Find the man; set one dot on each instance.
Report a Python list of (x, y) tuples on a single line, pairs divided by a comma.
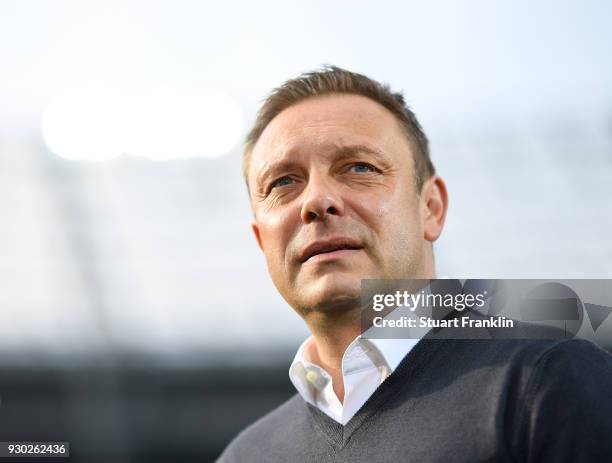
[(343, 189)]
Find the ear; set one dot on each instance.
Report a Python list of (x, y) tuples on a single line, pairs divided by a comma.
[(255, 229), (434, 203)]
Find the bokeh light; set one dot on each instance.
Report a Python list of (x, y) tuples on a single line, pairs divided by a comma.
[(101, 121)]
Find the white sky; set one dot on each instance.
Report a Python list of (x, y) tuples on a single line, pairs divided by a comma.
[(454, 60), (516, 97)]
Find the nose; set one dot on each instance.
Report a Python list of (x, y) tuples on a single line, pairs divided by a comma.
[(321, 199)]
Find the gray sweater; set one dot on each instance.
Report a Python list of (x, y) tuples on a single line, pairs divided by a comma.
[(457, 401)]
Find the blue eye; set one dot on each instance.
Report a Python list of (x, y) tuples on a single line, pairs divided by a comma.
[(281, 182), (361, 168)]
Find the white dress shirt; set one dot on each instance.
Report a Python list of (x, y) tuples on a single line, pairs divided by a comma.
[(366, 363)]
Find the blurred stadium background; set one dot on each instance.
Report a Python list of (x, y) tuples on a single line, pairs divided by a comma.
[(138, 321)]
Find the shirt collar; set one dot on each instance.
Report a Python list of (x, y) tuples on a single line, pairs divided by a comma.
[(300, 369), (389, 353), (393, 350), (309, 378)]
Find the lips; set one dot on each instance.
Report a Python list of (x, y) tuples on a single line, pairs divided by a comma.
[(334, 244)]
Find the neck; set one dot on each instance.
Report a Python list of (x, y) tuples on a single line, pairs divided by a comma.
[(333, 331), (332, 335)]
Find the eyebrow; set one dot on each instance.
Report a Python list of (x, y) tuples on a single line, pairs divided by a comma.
[(339, 153)]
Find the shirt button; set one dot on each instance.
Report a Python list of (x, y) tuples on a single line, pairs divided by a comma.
[(312, 376)]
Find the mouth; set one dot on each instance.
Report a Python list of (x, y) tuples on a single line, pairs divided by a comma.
[(329, 249)]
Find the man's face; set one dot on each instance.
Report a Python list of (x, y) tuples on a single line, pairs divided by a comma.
[(334, 198)]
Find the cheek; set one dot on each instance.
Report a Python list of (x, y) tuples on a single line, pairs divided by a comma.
[(392, 216), (275, 231), (386, 207)]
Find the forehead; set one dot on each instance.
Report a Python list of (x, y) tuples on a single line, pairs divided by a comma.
[(316, 124)]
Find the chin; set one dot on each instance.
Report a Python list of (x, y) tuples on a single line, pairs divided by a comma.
[(333, 293)]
